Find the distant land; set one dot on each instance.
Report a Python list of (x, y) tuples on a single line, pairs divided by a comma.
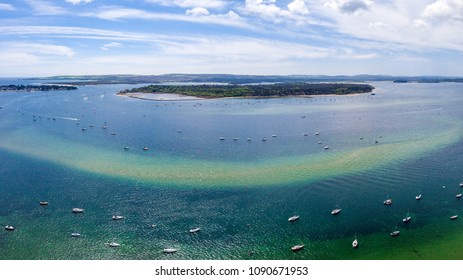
[(36, 87), (237, 79), (251, 90)]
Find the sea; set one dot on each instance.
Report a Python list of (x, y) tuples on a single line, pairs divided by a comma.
[(235, 168)]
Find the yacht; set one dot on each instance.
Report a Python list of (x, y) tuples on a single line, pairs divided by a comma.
[(195, 230), (388, 201), (297, 248), (77, 210), (355, 243), (9, 227), (117, 217), (454, 217), (169, 251), (395, 233), (336, 211), (114, 244), (458, 195), (418, 197), (293, 218)]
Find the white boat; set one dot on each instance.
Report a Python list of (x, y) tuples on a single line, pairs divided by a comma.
[(145, 149), (293, 218), (117, 217), (336, 211), (169, 250), (355, 243), (454, 217), (317, 133), (114, 244), (9, 227), (461, 184), (407, 219), (458, 195), (235, 139), (222, 138), (264, 139), (126, 147), (195, 230), (75, 234), (83, 129), (43, 203), (77, 210), (249, 139), (305, 134), (326, 147), (274, 135), (388, 201), (297, 248), (395, 233), (418, 197)]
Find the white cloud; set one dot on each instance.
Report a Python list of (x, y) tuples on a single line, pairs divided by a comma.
[(213, 4), (76, 2), (298, 7), (45, 7), (445, 9), (111, 45), (197, 12), (7, 7), (350, 6)]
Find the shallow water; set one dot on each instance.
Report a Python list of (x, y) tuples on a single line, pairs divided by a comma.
[(239, 192)]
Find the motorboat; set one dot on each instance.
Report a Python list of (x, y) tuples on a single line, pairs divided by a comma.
[(274, 135), (169, 251), (458, 195), (9, 227), (195, 230), (395, 233), (326, 147), (317, 133), (336, 211), (305, 134), (126, 147), (418, 197), (388, 201), (43, 203), (407, 219), (355, 243), (117, 217), (75, 234), (461, 184), (114, 244), (77, 210), (293, 218), (222, 138), (235, 139), (297, 248), (454, 217), (249, 139), (145, 149)]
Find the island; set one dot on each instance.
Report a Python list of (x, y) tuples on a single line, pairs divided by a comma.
[(29, 88), (251, 90)]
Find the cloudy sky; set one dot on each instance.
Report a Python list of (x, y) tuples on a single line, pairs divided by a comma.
[(330, 37)]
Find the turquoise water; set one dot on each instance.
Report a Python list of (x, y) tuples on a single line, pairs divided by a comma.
[(240, 193)]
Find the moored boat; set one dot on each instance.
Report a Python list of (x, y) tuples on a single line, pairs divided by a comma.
[(297, 248), (77, 210), (387, 201), (75, 234), (118, 217), (407, 219), (195, 230), (9, 227), (355, 243), (458, 195), (454, 217), (418, 197), (293, 218), (395, 233), (114, 244), (336, 211), (169, 251), (43, 203)]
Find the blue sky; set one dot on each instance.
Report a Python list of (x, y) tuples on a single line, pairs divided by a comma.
[(327, 37)]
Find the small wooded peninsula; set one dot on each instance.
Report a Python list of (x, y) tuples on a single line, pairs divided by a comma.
[(254, 90), (28, 88)]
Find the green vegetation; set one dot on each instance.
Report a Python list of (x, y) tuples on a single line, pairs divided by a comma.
[(261, 90), (36, 87)]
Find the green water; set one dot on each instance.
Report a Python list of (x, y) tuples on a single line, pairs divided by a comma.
[(404, 141)]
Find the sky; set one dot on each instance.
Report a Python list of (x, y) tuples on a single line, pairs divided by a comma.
[(257, 37)]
